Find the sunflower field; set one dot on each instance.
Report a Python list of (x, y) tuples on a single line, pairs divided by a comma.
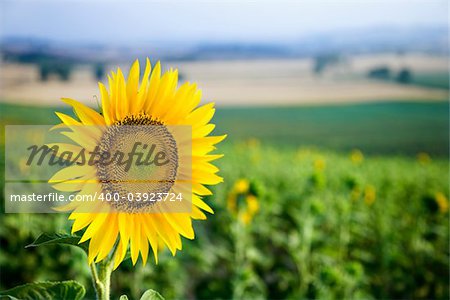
[(291, 221)]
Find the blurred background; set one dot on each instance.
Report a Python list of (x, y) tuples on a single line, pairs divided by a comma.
[(336, 162)]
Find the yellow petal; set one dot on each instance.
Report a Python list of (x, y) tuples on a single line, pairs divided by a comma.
[(122, 109), (202, 150), (201, 190), (208, 141), (94, 227), (68, 120), (201, 204), (166, 91), (178, 109), (120, 253), (81, 220), (69, 186), (87, 115), (181, 223), (66, 207), (201, 115), (63, 147), (58, 126), (155, 78), (135, 241), (150, 232), (72, 172), (205, 166), (190, 102), (106, 105), (83, 140), (113, 96), (125, 226), (202, 131), (142, 94), (206, 158), (164, 231), (197, 214), (206, 178), (132, 85), (110, 233), (144, 244)]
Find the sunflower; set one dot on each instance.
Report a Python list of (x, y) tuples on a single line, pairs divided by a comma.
[(152, 112), (242, 201)]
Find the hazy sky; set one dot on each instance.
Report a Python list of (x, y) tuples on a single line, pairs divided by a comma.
[(265, 20)]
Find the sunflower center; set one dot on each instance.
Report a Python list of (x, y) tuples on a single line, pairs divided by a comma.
[(138, 158)]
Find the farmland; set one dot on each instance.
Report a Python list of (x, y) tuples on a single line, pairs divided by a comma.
[(287, 82), (385, 127), (333, 222)]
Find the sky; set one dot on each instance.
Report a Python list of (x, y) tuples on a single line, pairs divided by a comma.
[(198, 21)]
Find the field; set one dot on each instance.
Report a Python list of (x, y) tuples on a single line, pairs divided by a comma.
[(254, 82), (378, 128), (333, 222), (386, 127), (435, 80)]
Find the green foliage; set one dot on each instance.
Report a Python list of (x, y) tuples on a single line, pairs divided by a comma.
[(310, 240), (54, 262), (433, 80), (328, 226), (438, 80), (58, 238), (152, 295), (404, 76), (46, 290), (60, 68), (148, 295), (381, 72), (376, 128), (307, 240)]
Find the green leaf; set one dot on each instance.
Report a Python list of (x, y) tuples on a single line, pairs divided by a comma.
[(152, 295), (46, 290), (58, 238), (123, 297), (8, 297)]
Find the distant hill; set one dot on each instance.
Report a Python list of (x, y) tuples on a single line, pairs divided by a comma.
[(428, 39), (382, 39)]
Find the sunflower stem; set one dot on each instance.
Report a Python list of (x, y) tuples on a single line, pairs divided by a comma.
[(98, 284), (104, 275), (101, 276)]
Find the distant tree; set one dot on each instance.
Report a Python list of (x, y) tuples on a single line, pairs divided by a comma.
[(44, 71), (181, 77), (381, 72), (404, 76), (59, 68), (321, 62), (99, 71), (64, 71)]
